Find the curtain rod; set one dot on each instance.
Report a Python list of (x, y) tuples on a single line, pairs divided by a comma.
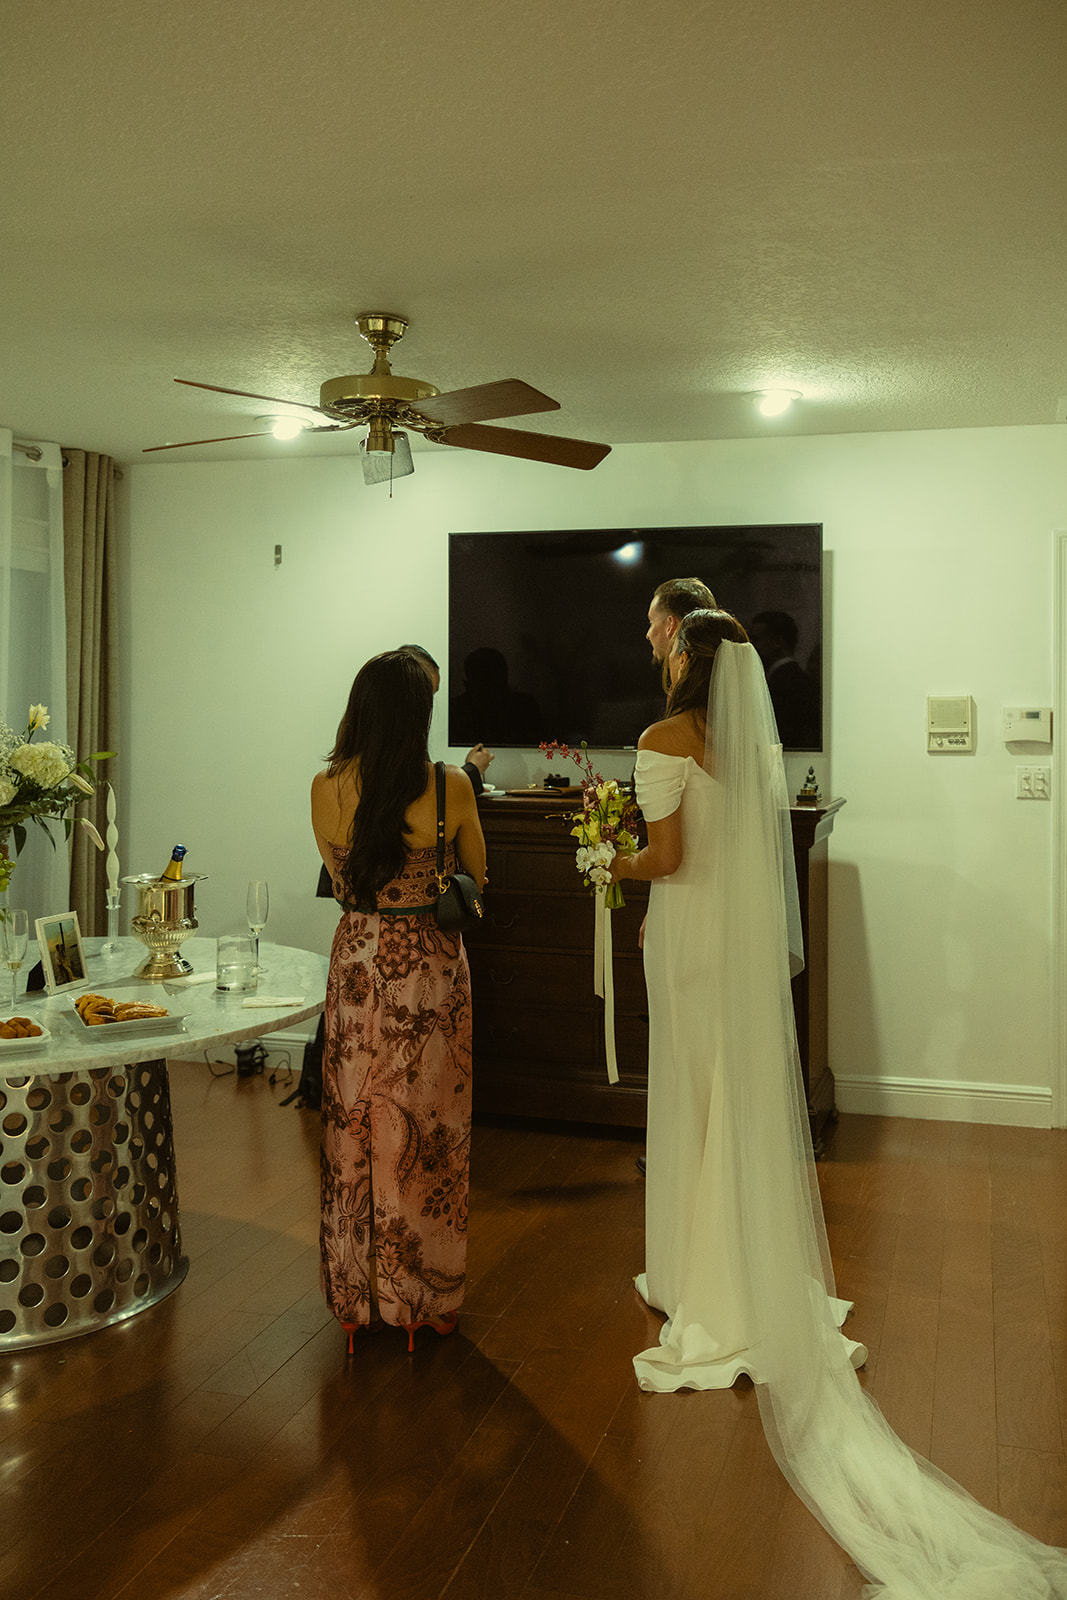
[(35, 453)]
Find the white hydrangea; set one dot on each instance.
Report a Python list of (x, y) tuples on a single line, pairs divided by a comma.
[(44, 764), (8, 789)]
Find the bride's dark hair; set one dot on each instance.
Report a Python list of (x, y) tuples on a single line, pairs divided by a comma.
[(384, 731), (700, 634)]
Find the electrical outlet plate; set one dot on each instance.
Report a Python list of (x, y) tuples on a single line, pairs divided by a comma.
[(1033, 783)]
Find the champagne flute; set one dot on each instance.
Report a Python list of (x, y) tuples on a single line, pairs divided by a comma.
[(14, 937), (257, 906)]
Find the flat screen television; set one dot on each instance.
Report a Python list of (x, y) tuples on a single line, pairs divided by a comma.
[(546, 630)]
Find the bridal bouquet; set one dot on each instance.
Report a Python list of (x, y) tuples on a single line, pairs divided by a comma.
[(38, 782), (602, 827)]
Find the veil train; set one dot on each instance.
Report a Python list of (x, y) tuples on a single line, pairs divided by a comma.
[(911, 1530)]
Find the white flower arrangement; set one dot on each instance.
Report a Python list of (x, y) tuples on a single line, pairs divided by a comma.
[(39, 783), (44, 765)]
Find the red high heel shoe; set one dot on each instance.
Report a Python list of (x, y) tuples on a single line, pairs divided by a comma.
[(442, 1325), (352, 1328)]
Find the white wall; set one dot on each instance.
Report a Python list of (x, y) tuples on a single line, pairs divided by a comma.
[(939, 561)]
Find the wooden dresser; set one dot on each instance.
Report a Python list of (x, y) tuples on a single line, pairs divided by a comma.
[(538, 1027)]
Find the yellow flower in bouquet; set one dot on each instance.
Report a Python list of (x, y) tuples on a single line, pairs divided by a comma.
[(603, 827)]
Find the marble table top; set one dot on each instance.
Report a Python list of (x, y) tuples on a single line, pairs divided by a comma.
[(212, 1018)]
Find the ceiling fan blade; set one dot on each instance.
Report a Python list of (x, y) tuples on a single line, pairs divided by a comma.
[(559, 452), (216, 388), (509, 397), (226, 437)]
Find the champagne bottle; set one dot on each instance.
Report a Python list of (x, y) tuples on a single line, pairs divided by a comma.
[(173, 870)]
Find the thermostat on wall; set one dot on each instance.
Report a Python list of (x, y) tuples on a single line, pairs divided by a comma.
[(949, 723), (1034, 722)]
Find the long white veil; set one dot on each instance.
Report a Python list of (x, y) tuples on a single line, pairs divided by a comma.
[(911, 1530)]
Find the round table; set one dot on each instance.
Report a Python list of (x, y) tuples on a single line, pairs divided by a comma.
[(89, 1225)]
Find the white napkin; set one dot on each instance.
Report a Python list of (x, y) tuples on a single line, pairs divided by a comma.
[(273, 1000), (191, 977)]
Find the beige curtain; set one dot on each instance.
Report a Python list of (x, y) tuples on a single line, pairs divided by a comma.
[(90, 565)]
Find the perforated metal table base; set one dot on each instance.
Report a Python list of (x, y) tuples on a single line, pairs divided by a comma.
[(89, 1229)]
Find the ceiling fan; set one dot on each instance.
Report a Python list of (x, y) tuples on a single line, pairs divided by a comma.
[(386, 405)]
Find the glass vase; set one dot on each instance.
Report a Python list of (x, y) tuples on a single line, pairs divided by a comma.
[(110, 947)]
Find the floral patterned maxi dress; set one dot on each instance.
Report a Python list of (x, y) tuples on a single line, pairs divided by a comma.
[(396, 1107)]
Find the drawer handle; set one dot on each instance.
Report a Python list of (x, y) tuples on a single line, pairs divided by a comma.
[(503, 982), (496, 922)]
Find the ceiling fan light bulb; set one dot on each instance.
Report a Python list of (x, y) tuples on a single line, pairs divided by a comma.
[(774, 402), (379, 439), (382, 466), (283, 427)]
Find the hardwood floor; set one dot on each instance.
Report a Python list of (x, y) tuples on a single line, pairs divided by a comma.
[(222, 1447)]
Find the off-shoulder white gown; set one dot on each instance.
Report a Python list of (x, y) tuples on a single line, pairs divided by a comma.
[(699, 1111)]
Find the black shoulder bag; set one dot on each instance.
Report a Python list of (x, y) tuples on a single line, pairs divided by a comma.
[(459, 903)]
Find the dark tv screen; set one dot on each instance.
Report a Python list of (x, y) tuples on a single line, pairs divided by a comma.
[(555, 622)]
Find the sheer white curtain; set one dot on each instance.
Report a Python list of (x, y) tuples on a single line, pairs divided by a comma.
[(33, 637)]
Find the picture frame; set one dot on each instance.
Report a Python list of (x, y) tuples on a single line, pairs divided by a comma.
[(59, 939)]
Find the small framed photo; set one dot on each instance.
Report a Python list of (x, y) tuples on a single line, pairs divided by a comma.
[(62, 953)]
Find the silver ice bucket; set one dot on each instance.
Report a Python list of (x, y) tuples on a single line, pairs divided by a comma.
[(165, 919)]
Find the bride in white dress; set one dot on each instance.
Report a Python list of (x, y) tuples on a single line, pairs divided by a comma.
[(736, 1252)]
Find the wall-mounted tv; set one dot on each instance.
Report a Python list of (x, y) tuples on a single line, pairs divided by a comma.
[(546, 630)]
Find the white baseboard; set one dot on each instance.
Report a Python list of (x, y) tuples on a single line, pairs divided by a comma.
[(285, 1042), (294, 1039), (1007, 1105)]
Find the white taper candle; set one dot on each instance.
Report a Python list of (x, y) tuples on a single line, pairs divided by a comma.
[(112, 843)]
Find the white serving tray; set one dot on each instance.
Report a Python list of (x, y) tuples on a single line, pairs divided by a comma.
[(10, 1046), (123, 993)]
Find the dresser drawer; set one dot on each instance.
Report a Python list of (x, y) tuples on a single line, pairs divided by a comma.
[(528, 1033), (513, 977), (540, 921), (541, 870)]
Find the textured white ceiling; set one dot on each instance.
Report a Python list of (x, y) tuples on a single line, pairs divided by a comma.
[(646, 209)]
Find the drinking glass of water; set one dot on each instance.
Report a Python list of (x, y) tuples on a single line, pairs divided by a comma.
[(235, 967)]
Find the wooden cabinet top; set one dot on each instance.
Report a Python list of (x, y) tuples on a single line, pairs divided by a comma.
[(533, 809)]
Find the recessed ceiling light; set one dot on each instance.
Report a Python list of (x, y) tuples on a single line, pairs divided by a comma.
[(283, 427), (773, 402)]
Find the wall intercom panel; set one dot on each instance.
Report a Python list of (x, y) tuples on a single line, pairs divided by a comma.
[(950, 721)]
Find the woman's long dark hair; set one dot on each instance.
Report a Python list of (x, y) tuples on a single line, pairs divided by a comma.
[(700, 634), (384, 729)]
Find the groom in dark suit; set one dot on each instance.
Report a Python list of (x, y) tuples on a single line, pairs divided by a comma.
[(674, 599)]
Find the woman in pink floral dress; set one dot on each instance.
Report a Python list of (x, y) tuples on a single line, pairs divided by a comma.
[(396, 1101)]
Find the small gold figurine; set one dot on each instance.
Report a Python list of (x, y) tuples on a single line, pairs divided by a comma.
[(809, 794)]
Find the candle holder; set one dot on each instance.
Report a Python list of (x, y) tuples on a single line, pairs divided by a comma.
[(110, 947)]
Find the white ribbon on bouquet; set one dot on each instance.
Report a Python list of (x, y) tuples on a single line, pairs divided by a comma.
[(603, 977)]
